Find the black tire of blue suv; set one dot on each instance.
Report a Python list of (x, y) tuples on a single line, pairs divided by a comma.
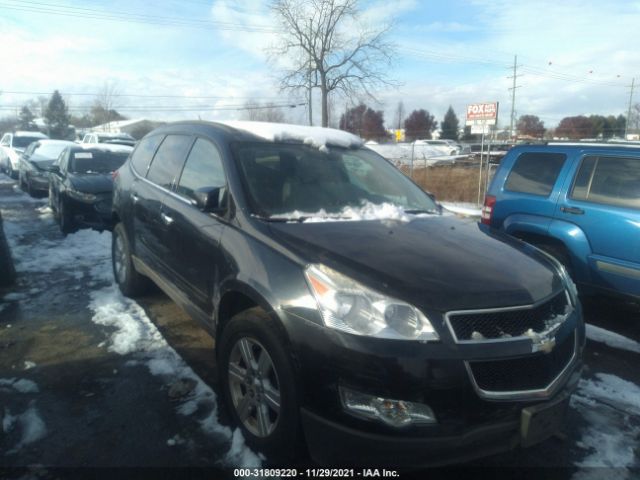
[(255, 329)]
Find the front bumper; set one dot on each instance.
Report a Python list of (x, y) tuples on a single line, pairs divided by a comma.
[(468, 424), (334, 444), (96, 214)]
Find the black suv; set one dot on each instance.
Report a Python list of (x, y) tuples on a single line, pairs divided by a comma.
[(346, 309)]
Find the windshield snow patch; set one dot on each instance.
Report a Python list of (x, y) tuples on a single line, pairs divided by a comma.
[(367, 211), (317, 137)]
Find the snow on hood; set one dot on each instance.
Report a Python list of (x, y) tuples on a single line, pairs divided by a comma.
[(367, 211), (315, 136)]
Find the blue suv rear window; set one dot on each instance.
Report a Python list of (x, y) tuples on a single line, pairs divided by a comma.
[(608, 180), (535, 173)]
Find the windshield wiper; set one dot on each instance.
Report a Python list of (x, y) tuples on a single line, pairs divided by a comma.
[(419, 211)]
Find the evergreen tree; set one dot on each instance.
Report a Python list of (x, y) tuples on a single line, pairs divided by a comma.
[(26, 119), (57, 117), (450, 125)]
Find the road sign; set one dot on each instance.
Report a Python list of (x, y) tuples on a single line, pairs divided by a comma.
[(482, 113)]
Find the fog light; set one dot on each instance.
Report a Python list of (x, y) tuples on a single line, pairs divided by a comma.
[(397, 413)]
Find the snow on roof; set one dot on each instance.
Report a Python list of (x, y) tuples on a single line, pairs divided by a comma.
[(110, 147), (315, 136), (111, 126), (29, 134)]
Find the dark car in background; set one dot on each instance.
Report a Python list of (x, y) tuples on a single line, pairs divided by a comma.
[(81, 185), (346, 309), (35, 164)]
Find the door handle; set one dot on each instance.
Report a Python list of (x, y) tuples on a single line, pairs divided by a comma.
[(135, 197), (166, 219), (572, 210)]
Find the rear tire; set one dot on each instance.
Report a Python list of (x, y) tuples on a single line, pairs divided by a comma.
[(268, 386), (131, 283)]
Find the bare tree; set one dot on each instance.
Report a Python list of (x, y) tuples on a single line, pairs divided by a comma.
[(269, 112), (329, 48), (104, 104)]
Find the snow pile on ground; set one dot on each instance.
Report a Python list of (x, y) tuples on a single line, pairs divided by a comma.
[(315, 136), (467, 209), (611, 339), (21, 385), (85, 256), (26, 427), (134, 333), (367, 211), (609, 405)]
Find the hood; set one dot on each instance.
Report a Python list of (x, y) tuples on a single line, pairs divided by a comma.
[(436, 263), (42, 163), (92, 182)]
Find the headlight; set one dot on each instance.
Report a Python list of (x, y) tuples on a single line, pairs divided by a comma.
[(351, 307), (82, 196)]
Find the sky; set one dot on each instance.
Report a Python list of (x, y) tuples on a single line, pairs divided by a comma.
[(187, 59)]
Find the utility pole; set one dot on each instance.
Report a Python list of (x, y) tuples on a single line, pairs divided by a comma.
[(310, 99), (628, 122), (513, 95)]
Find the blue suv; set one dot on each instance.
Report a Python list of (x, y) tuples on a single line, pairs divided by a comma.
[(580, 203)]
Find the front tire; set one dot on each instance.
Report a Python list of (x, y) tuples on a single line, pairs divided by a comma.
[(259, 386), (65, 217), (131, 283)]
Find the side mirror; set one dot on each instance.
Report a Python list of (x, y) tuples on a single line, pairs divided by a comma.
[(54, 169), (211, 199)]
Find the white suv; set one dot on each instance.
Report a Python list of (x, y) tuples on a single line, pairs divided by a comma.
[(11, 147)]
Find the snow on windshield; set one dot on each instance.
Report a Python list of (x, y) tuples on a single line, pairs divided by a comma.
[(367, 211), (315, 136)]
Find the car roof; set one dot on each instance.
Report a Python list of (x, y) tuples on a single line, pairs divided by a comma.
[(48, 141), (572, 147), (105, 147), (23, 133), (237, 131)]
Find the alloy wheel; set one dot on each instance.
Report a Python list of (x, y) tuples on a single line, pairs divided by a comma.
[(254, 387), (120, 260)]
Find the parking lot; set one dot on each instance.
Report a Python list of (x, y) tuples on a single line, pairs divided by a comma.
[(89, 378)]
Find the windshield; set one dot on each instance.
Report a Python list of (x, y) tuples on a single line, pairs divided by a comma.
[(23, 142), (47, 152), (283, 179), (96, 161)]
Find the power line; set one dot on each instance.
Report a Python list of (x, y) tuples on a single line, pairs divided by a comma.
[(129, 17), (138, 95)]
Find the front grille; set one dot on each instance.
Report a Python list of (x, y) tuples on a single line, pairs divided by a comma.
[(533, 372), (507, 323)]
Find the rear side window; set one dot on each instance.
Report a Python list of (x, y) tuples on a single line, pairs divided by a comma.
[(535, 173), (203, 168), (608, 180), (143, 154), (168, 160)]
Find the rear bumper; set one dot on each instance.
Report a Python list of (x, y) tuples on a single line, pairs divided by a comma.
[(335, 444)]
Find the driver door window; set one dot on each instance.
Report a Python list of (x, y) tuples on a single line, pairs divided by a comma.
[(203, 168)]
